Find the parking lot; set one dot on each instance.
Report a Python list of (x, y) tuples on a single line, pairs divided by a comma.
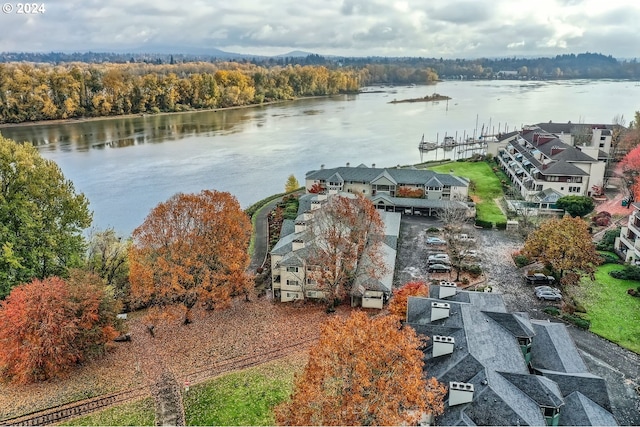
[(620, 367)]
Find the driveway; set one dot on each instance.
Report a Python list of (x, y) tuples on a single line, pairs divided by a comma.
[(619, 367)]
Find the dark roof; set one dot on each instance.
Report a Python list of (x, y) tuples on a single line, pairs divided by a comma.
[(399, 175), (487, 354), (288, 227), (562, 168), (569, 127), (516, 323), (553, 349), (579, 410)]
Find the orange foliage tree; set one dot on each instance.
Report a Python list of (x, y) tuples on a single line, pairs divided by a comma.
[(564, 244), (414, 193), (46, 326), (191, 248), (363, 371), (398, 302), (349, 233)]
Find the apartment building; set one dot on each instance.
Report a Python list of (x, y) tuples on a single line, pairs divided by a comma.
[(628, 244), (384, 186), (292, 275), (544, 166)]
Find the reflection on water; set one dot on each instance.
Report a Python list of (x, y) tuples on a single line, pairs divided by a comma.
[(126, 166)]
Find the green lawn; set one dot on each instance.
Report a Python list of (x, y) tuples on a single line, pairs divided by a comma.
[(140, 413), (613, 313), (487, 187), (245, 397)]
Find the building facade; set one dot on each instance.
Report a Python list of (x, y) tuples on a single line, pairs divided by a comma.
[(543, 167), (388, 188), (628, 244)]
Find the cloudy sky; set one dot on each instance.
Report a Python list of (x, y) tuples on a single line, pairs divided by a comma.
[(429, 28)]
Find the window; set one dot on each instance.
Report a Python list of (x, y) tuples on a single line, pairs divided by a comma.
[(293, 283), (311, 282), (292, 269), (292, 295), (364, 191), (574, 189)]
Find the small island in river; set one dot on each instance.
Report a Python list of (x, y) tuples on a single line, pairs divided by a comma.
[(428, 98)]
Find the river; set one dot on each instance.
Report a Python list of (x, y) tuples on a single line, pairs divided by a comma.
[(125, 166)]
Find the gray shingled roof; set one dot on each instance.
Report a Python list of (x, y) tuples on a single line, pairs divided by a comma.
[(288, 227), (592, 386), (542, 390), (554, 350), (516, 323), (417, 203), (579, 410), (562, 167), (401, 176)]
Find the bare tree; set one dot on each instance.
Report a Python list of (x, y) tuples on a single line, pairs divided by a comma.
[(455, 216)]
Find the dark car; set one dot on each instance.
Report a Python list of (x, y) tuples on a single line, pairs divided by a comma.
[(439, 268)]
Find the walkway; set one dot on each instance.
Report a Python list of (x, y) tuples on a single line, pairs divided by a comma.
[(261, 244)]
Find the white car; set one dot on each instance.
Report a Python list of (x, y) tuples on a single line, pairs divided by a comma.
[(471, 253), (435, 241), (438, 257)]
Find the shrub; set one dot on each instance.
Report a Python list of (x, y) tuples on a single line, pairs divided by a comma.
[(502, 225), (554, 311), (630, 272), (607, 241), (473, 270), (433, 230), (521, 260), (609, 258), (578, 321)]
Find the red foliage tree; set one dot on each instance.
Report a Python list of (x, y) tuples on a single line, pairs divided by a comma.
[(316, 188), (363, 371), (630, 167), (191, 248), (47, 326), (398, 303), (409, 192)]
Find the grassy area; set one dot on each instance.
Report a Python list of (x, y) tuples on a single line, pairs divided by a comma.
[(245, 397), (487, 187), (140, 413), (613, 313)]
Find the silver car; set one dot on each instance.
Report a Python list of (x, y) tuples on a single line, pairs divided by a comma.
[(549, 296)]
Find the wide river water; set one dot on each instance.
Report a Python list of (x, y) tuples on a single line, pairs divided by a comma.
[(125, 166)]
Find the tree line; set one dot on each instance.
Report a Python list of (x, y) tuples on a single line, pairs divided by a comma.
[(30, 92)]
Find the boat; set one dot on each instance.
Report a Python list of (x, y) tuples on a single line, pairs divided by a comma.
[(448, 142), (426, 145)]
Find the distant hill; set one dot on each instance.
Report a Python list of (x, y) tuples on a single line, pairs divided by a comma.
[(295, 54)]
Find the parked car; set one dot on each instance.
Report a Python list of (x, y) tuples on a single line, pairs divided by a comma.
[(436, 257), (539, 279), (547, 289), (549, 296), (439, 268), (465, 238), (438, 261), (471, 253), (435, 241)]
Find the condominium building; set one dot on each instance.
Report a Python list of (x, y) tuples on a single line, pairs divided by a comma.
[(545, 166), (628, 244), (388, 188)]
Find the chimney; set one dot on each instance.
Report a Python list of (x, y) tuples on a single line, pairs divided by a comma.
[(315, 204), (297, 244), (460, 393), (373, 165), (300, 226), (321, 197), (443, 345), (439, 310), (447, 289), (348, 164), (322, 166)]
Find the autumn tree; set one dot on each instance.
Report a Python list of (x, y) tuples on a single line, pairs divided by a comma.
[(108, 257), (565, 245), (575, 205), (455, 217), (363, 371), (291, 184), (630, 168), (41, 217), (398, 302), (348, 237), (191, 248), (47, 326)]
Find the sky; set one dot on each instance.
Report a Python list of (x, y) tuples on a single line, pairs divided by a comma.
[(426, 28)]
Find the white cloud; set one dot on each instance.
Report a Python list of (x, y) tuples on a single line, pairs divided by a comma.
[(450, 28)]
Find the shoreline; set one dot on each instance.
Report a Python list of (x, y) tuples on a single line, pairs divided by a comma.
[(134, 115)]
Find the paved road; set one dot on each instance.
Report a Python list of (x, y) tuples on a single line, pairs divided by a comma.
[(261, 244), (619, 367)]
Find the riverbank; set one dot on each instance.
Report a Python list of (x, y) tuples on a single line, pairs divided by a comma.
[(162, 113)]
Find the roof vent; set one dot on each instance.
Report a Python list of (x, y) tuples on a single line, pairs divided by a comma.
[(447, 289), (322, 166), (348, 164), (300, 226), (443, 345), (439, 310), (297, 244), (373, 165), (460, 393)]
